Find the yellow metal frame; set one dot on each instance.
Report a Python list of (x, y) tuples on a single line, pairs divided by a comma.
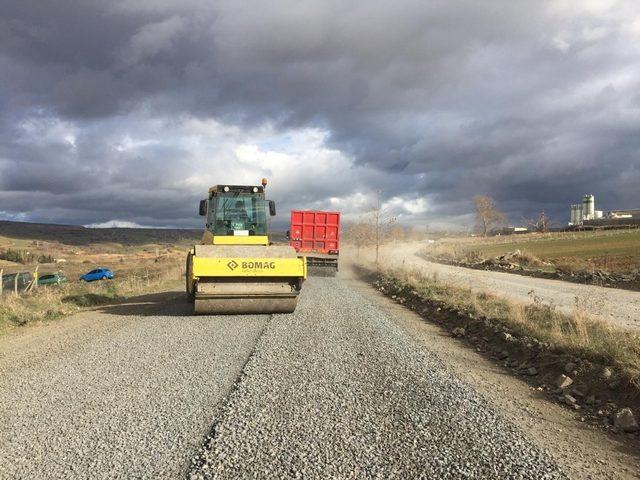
[(249, 267), (209, 238), (238, 240)]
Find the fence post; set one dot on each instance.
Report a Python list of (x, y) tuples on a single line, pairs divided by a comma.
[(35, 278), (15, 284), (1, 284)]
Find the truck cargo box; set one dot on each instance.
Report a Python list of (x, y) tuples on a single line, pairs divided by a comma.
[(316, 234), (313, 231)]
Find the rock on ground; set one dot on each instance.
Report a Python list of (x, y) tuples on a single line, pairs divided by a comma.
[(625, 420), (563, 381)]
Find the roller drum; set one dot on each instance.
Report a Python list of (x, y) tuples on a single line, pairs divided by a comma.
[(240, 305)]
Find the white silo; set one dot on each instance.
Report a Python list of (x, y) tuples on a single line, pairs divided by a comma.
[(571, 216), (588, 207), (576, 214)]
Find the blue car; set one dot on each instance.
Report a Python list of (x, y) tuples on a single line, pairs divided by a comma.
[(97, 274)]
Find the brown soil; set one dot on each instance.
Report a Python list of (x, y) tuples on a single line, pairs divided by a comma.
[(520, 353)]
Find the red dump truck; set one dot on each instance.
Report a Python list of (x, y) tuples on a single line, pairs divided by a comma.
[(316, 235)]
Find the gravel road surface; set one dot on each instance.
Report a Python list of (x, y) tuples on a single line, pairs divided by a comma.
[(339, 391), (612, 304), (335, 390), (134, 399)]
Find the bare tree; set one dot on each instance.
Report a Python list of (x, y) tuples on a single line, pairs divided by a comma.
[(487, 213), (374, 228), (541, 224)]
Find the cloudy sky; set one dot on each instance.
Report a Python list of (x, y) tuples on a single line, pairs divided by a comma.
[(128, 110)]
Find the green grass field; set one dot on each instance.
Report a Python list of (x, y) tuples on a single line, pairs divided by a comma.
[(579, 244), (616, 250)]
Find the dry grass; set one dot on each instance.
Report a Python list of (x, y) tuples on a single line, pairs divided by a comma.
[(454, 252), (577, 334), (143, 260), (528, 259), (53, 302), (450, 252)]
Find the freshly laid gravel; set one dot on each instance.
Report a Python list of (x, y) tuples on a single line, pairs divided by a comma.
[(336, 390), (134, 400)]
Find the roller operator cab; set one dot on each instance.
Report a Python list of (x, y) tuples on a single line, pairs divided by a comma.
[(236, 269), (236, 211)]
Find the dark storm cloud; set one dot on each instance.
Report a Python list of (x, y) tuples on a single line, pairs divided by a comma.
[(531, 103)]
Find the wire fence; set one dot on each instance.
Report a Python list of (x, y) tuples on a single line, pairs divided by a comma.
[(17, 283)]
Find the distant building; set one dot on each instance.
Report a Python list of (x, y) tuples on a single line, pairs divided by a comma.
[(585, 214), (584, 211), (508, 230), (624, 214)]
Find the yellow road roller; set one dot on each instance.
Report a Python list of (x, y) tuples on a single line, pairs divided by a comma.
[(236, 269)]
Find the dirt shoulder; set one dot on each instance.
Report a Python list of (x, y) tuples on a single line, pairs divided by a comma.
[(581, 449), (621, 307)]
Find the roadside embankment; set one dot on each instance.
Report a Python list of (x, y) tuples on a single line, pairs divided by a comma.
[(616, 306), (585, 363)]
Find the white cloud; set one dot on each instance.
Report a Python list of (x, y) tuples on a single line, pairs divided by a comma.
[(592, 7), (16, 217), (404, 206), (47, 130), (115, 224)]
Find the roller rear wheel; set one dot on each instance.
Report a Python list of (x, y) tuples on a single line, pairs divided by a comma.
[(189, 287)]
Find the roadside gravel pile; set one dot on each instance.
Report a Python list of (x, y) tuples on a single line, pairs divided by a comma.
[(133, 400), (336, 390)]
